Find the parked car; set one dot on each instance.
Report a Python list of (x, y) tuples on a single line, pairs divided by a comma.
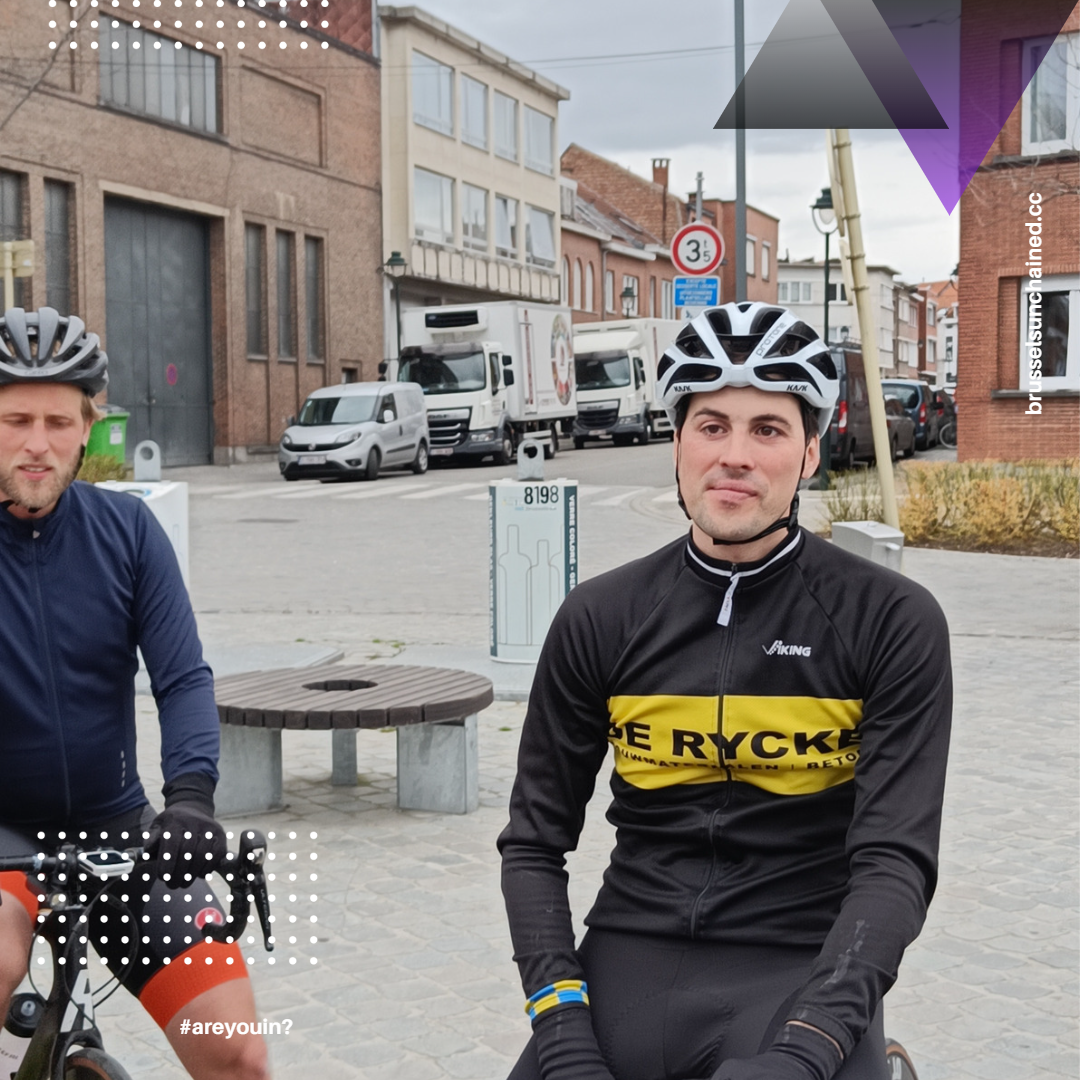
[(917, 399), (850, 435), (901, 428), (944, 406), (356, 429)]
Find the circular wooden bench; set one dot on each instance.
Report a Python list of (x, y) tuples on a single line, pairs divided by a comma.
[(433, 709)]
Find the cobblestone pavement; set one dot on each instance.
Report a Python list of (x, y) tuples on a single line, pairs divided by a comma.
[(414, 980)]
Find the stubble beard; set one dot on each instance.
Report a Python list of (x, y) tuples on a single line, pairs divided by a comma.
[(44, 493)]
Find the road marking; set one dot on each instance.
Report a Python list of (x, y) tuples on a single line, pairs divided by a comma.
[(255, 491), (590, 490), (448, 489), (668, 496), (618, 500), (383, 489), (218, 489), (320, 492), (478, 496)]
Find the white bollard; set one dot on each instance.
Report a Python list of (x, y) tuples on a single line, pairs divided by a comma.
[(168, 499)]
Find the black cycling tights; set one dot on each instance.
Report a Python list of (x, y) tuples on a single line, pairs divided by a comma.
[(674, 1009)]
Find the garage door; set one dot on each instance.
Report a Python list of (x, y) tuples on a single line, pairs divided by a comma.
[(157, 299)]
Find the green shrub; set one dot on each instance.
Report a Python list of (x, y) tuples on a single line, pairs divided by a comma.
[(98, 467)]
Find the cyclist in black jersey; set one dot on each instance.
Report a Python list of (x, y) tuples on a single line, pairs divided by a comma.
[(779, 715)]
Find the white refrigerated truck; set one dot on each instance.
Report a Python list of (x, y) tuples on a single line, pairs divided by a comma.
[(616, 379), (492, 375)]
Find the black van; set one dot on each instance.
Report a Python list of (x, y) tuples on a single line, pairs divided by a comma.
[(850, 435)]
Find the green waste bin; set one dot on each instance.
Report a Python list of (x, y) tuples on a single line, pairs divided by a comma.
[(109, 434)]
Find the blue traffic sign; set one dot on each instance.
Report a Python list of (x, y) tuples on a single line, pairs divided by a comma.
[(697, 292)]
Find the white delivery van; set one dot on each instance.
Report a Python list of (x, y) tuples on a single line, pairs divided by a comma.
[(491, 373), (616, 379)]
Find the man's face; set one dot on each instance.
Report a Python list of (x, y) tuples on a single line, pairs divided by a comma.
[(740, 455), (42, 431)]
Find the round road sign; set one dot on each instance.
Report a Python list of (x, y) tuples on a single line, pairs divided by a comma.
[(697, 248)]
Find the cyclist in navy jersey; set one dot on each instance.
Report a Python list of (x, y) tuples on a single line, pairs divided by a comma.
[(86, 577), (778, 713)]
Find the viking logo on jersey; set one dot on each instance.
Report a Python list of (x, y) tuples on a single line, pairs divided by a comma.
[(778, 648)]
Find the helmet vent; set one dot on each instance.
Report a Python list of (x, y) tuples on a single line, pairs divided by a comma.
[(720, 321), (697, 373), (738, 348), (691, 344)]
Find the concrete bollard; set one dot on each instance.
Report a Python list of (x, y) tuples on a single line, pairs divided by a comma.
[(881, 544)]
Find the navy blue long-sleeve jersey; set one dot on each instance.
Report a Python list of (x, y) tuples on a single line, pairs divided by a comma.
[(80, 590)]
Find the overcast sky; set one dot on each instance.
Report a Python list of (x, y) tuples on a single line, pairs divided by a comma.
[(631, 109)]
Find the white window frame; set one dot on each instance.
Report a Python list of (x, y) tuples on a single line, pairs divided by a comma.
[(444, 234), (577, 285), (444, 122), (469, 135), (766, 261), (502, 150), (590, 286), (545, 164), (630, 279), (530, 255), (751, 256), (1069, 283), (468, 204), (609, 290), (512, 218), (667, 299), (564, 282), (1071, 44)]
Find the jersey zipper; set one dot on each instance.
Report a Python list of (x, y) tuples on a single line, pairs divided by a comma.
[(50, 671), (726, 651)]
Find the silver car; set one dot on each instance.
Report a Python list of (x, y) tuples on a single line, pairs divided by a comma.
[(356, 429)]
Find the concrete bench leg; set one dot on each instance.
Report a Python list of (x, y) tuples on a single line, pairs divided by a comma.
[(343, 757), (250, 768), (437, 766)]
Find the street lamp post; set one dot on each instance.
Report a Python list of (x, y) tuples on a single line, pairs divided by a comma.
[(396, 266), (824, 218), (629, 300)]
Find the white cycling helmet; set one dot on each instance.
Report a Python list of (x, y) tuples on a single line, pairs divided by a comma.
[(750, 344)]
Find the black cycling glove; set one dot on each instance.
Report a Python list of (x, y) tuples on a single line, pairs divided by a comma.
[(185, 840), (566, 1046), (797, 1053)]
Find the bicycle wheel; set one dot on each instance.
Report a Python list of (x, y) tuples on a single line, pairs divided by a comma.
[(90, 1064), (898, 1061), (947, 436)]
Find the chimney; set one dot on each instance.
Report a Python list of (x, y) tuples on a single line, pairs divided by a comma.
[(660, 171)]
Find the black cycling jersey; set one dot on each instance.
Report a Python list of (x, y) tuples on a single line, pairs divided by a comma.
[(779, 730)]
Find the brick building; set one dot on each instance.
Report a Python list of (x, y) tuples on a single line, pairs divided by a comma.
[(654, 208), (941, 308), (211, 209), (1036, 153), (612, 267)]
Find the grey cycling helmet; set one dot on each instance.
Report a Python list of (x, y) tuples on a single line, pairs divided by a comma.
[(45, 346), (750, 344)]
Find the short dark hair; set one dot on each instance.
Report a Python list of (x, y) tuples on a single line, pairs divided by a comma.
[(806, 410)]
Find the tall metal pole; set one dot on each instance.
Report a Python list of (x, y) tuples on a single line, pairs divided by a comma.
[(740, 156), (825, 336), (826, 441), (697, 201), (867, 328)]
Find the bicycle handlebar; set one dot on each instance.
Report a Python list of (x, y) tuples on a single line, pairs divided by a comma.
[(243, 871)]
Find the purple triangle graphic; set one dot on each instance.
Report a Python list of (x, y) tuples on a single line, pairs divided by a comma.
[(969, 56)]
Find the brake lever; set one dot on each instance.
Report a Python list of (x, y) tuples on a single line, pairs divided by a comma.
[(247, 881)]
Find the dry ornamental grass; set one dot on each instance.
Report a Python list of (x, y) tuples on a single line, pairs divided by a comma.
[(1023, 508)]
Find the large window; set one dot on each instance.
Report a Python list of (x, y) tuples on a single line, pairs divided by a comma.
[(474, 121), (1051, 110), (751, 257), (474, 230), (609, 290), (540, 237), (628, 299), (255, 288), (539, 141), (506, 127), (433, 94), (589, 287), (506, 237), (13, 226), (147, 73), (286, 295), (1057, 320), (766, 252), (313, 299), (577, 284), (58, 291), (433, 201)]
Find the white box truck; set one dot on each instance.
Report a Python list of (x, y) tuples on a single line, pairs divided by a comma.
[(616, 379), (492, 374)]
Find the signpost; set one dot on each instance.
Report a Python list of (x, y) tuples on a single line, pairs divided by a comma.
[(697, 249)]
